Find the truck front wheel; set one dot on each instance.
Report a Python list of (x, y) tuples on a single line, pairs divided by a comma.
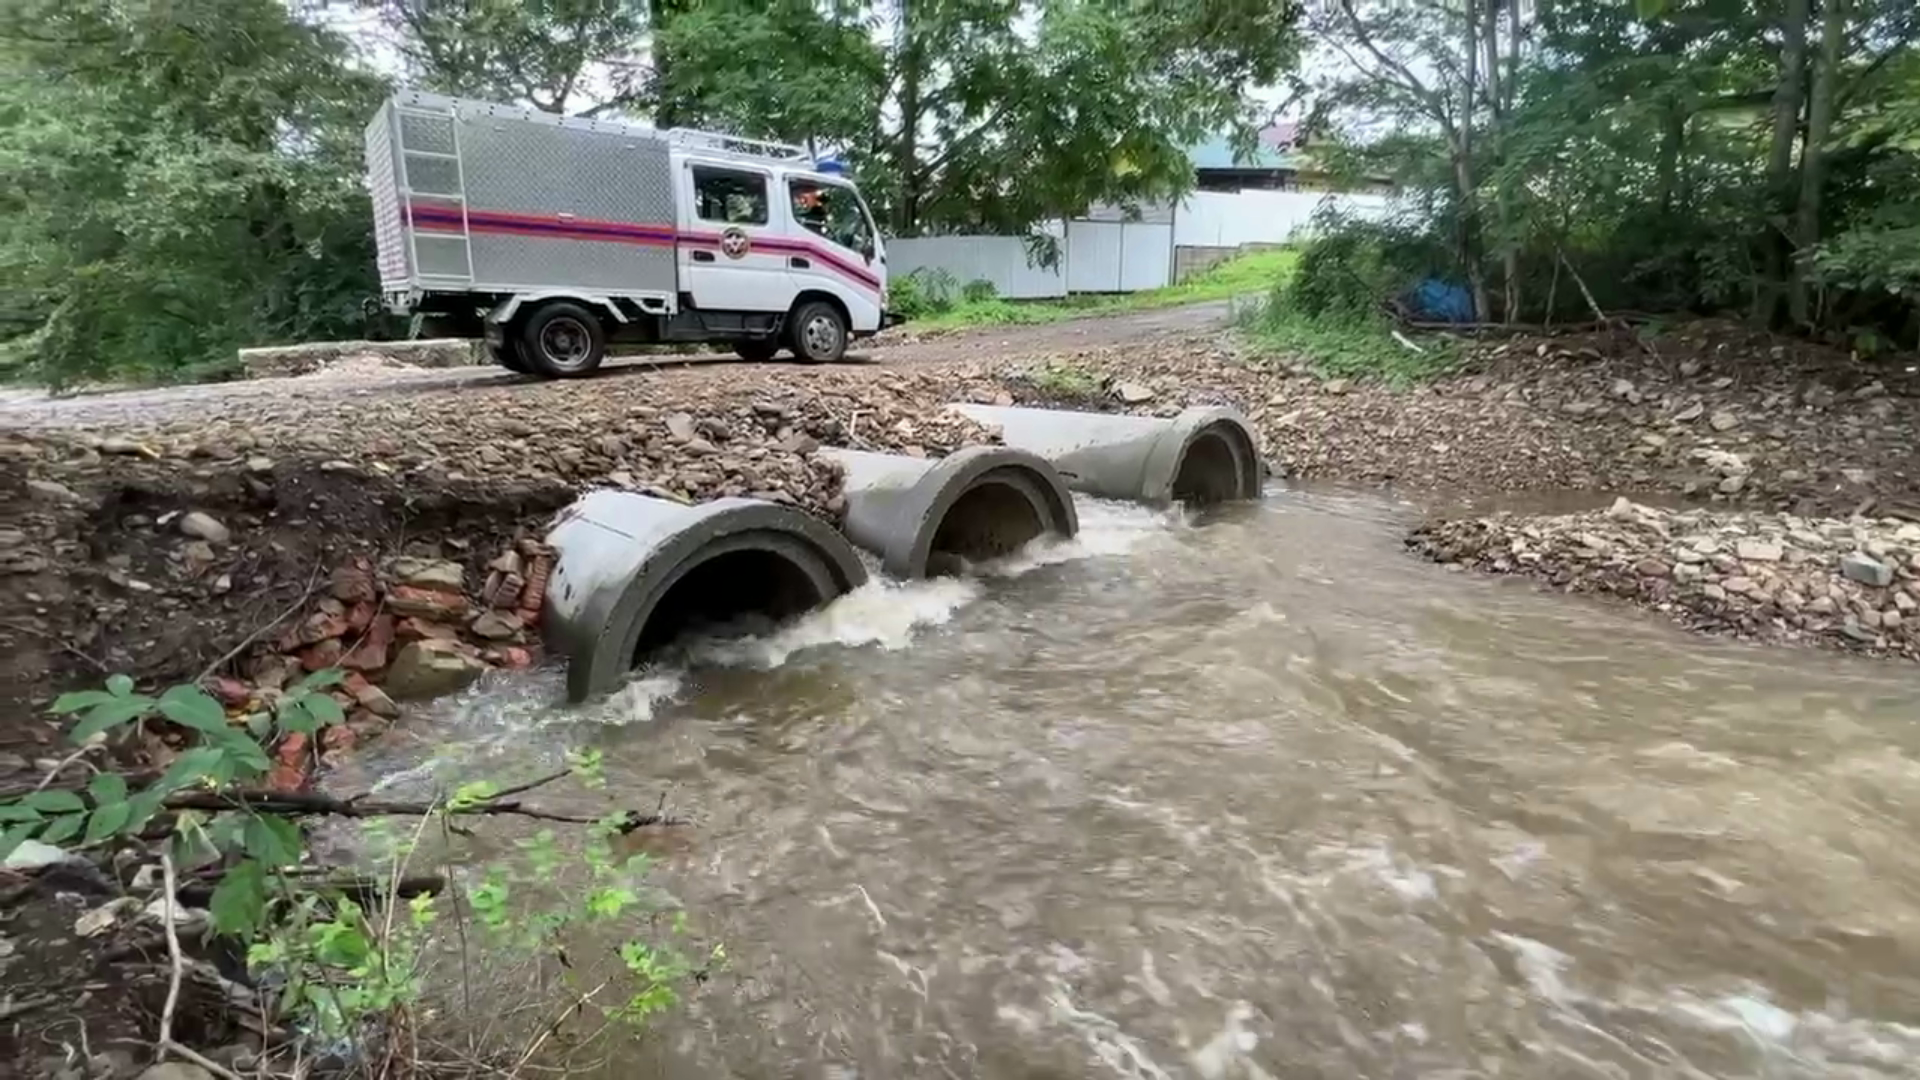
[(563, 340), (818, 333)]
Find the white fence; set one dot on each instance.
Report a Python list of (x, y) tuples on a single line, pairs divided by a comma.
[(999, 259), (1107, 253), (1233, 218)]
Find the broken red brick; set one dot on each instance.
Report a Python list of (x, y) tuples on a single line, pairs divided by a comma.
[(372, 652), (536, 591), (360, 616), (288, 778), (511, 656), (338, 737), (321, 654), (421, 629), (229, 692), (426, 603)]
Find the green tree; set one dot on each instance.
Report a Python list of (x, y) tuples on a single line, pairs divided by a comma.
[(788, 69), (561, 56), (182, 178), (983, 114), (1696, 154)]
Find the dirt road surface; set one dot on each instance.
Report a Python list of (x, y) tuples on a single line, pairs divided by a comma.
[(37, 409)]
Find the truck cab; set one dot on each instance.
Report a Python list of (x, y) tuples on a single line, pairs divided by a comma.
[(768, 237), (555, 237)]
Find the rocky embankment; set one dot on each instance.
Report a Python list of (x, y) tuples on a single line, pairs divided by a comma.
[(154, 547), (1771, 577), (96, 576), (1709, 411)]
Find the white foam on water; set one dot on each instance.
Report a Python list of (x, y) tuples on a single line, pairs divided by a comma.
[(1790, 1044), (1542, 966), (882, 612), (1106, 528), (889, 613), (1824, 1042), (1409, 882), (636, 702), (1111, 1046), (1229, 1052)]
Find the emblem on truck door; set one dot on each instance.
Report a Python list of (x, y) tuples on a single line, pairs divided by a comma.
[(735, 243)]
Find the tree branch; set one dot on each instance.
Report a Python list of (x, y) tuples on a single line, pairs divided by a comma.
[(303, 803), (953, 146)]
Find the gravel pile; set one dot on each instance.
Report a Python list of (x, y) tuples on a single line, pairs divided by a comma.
[(693, 434), (1850, 584)]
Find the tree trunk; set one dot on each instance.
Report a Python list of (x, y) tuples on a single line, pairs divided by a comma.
[(666, 107), (1463, 165), (1673, 138), (1813, 153), (1789, 94), (907, 55)]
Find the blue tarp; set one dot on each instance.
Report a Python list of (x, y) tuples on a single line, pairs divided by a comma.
[(1434, 300)]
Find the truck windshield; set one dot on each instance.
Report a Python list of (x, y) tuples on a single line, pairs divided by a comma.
[(833, 211)]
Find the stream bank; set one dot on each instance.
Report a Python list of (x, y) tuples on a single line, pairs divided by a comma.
[(155, 542)]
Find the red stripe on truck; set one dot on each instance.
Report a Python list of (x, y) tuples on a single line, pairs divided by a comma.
[(447, 217)]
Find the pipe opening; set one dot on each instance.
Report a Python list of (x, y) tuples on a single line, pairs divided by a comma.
[(731, 594), (1218, 466), (992, 519)]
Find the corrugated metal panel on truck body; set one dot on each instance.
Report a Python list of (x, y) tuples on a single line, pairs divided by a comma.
[(389, 231), (542, 202)]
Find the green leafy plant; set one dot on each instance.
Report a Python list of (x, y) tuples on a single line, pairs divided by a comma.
[(348, 956), (222, 753), (1064, 381), (923, 292), (978, 291)]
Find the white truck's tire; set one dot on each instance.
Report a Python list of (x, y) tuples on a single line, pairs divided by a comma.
[(507, 355), (563, 340), (818, 333)]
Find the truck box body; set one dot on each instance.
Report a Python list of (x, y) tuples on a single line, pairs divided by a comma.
[(495, 199)]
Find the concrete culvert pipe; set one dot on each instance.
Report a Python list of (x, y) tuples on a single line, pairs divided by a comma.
[(930, 517), (632, 573), (1200, 457)]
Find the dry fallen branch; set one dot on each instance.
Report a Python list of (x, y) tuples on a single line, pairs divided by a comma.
[(164, 1044), (365, 891), (304, 803)]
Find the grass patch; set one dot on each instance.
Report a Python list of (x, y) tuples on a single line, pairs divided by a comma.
[(1252, 272), (1352, 348), (1064, 382)]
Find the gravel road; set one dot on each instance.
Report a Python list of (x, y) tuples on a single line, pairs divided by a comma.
[(36, 409)]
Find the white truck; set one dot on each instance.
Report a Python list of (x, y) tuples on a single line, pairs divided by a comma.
[(552, 237)]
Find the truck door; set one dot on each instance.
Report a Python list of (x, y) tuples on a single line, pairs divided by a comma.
[(835, 249), (728, 251)]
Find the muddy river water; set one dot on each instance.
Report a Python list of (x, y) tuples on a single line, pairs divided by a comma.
[(1260, 796)]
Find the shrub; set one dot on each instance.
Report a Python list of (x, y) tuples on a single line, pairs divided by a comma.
[(923, 292), (343, 958)]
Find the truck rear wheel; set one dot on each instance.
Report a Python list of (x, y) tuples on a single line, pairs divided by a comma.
[(563, 340), (818, 333), (507, 355)]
